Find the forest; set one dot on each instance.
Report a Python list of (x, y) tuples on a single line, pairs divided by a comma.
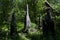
[(29, 19)]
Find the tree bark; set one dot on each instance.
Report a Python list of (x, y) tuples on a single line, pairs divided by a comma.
[(48, 24)]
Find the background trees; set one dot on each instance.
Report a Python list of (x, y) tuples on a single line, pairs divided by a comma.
[(36, 11)]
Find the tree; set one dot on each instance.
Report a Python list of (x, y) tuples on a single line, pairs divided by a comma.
[(13, 27), (48, 23)]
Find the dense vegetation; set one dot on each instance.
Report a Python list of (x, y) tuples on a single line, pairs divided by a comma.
[(12, 19)]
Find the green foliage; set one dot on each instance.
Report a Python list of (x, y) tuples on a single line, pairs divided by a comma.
[(57, 27), (35, 36), (20, 26), (5, 8), (33, 25), (36, 9), (58, 21)]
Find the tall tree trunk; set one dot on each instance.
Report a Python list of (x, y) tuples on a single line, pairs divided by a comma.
[(27, 22), (48, 24), (13, 29)]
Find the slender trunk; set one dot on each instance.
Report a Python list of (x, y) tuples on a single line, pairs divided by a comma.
[(27, 21), (13, 29), (48, 24)]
